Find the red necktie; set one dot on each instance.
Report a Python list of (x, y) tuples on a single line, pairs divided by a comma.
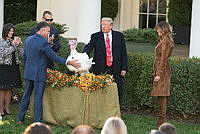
[(108, 51)]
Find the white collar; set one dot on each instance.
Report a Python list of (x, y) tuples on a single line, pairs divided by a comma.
[(109, 33)]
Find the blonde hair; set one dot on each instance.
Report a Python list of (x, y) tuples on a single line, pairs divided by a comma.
[(107, 19), (114, 125)]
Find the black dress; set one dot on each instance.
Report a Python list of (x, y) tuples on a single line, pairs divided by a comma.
[(10, 75)]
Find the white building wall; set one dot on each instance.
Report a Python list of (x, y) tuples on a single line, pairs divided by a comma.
[(1, 16), (195, 30), (82, 17), (64, 12), (88, 19), (129, 14)]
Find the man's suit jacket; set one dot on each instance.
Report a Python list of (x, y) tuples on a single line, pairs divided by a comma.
[(53, 31), (36, 52), (119, 53)]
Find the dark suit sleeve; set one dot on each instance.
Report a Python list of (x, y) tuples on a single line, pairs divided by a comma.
[(124, 54), (56, 44), (51, 54), (90, 46)]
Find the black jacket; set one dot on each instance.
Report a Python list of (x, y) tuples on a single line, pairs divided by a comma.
[(119, 53)]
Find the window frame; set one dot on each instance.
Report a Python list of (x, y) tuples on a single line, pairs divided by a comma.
[(157, 14)]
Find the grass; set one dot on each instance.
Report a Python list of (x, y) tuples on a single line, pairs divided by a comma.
[(179, 50), (136, 124), (140, 47)]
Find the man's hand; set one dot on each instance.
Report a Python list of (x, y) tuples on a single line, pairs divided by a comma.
[(123, 72), (50, 39), (74, 63)]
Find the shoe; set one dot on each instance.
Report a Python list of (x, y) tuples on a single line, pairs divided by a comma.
[(7, 112), (20, 122)]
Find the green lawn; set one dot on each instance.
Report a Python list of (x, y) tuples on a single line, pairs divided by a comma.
[(179, 50), (140, 47), (136, 124)]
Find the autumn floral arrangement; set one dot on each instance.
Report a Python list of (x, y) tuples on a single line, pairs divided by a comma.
[(86, 82)]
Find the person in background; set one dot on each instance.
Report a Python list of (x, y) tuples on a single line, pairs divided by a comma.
[(167, 128), (10, 78), (162, 71), (38, 128), (110, 55), (83, 129), (114, 125), (52, 37)]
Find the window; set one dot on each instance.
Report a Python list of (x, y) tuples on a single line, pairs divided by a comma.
[(151, 12)]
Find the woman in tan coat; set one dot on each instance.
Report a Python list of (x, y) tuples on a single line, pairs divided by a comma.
[(162, 71)]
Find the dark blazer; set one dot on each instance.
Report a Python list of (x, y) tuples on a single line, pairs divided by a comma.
[(119, 53), (36, 52)]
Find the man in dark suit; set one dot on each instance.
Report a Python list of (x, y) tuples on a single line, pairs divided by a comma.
[(110, 55), (52, 37), (36, 52)]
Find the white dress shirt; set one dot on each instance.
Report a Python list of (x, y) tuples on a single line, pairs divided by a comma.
[(110, 37)]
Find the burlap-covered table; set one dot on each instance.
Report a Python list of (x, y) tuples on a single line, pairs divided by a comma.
[(71, 106)]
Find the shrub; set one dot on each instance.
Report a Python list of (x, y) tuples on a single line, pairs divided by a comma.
[(185, 89), (17, 11), (109, 8), (180, 12), (23, 29), (141, 35)]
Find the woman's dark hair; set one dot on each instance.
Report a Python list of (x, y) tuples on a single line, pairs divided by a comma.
[(6, 29)]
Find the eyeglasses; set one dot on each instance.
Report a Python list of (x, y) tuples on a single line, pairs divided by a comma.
[(48, 19)]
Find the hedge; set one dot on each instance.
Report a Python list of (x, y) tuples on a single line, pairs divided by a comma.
[(23, 29), (180, 12), (141, 35), (17, 11), (185, 87), (109, 8)]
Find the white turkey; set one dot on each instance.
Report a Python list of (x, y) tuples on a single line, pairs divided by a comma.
[(82, 58)]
